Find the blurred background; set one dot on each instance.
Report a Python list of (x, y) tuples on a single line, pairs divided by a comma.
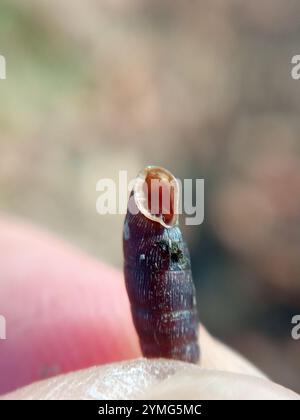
[(202, 88)]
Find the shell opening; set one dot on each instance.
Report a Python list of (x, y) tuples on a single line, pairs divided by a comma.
[(156, 194)]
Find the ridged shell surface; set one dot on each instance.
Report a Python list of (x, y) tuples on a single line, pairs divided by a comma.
[(160, 288)]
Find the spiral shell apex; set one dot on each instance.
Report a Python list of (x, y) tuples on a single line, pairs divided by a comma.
[(158, 271)]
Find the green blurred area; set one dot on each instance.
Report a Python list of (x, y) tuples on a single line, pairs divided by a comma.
[(202, 88), (42, 67)]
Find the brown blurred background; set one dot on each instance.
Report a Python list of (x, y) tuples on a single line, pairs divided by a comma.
[(202, 88)]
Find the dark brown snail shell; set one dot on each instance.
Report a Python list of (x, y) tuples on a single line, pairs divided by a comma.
[(158, 274)]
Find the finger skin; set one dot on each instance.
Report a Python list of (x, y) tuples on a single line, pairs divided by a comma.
[(63, 309), (216, 355), (153, 379), (66, 311)]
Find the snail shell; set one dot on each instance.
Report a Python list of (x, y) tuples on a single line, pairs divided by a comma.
[(157, 270)]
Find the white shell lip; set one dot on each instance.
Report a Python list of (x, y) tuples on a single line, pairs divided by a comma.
[(141, 200)]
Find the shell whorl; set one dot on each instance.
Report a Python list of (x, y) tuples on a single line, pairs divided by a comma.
[(158, 275)]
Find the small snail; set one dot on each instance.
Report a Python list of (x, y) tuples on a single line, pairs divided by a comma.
[(157, 269)]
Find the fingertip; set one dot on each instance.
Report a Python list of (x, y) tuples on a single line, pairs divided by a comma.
[(154, 379), (64, 310), (216, 355)]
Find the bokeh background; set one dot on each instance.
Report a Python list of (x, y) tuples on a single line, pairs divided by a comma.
[(202, 88)]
